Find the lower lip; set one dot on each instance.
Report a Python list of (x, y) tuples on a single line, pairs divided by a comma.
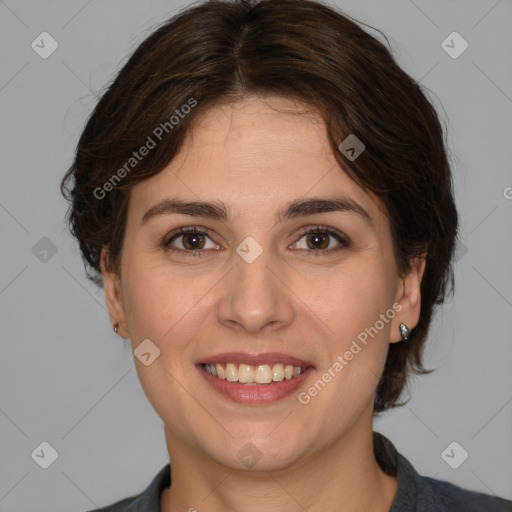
[(258, 394)]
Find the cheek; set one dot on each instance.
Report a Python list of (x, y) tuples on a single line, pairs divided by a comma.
[(159, 308), (358, 310), (154, 302), (353, 298), (164, 305), (357, 350)]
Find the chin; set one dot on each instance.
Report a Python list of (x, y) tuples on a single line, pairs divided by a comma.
[(256, 454), (251, 459)]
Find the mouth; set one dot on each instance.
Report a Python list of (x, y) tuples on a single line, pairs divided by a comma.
[(254, 375), (255, 379)]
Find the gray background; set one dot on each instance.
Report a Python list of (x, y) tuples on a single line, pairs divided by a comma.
[(67, 379)]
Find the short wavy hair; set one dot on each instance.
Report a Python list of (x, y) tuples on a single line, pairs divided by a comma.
[(219, 51)]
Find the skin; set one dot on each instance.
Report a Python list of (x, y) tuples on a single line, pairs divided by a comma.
[(255, 158)]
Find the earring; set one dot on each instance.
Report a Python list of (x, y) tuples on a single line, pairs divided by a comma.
[(405, 332), (116, 327)]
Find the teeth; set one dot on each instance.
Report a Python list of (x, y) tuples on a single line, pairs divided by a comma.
[(263, 374), (288, 371), (231, 372), (250, 375), (245, 374), (278, 372), (221, 373)]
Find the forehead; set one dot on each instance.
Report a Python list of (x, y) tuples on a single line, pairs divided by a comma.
[(253, 156)]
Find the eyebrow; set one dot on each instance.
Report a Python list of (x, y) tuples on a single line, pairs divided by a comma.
[(295, 209)]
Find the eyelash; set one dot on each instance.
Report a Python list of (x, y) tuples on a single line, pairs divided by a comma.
[(166, 242)]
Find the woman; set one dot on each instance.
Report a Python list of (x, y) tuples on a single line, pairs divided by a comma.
[(265, 196)]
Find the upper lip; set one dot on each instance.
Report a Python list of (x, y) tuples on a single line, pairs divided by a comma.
[(254, 359)]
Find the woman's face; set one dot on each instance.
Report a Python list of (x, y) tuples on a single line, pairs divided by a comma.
[(254, 283)]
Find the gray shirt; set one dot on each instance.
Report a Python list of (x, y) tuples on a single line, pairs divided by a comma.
[(415, 493)]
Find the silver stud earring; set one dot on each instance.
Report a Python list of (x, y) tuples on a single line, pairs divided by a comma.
[(116, 327), (405, 332)]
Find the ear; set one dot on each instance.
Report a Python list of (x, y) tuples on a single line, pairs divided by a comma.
[(409, 297), (113, 294)]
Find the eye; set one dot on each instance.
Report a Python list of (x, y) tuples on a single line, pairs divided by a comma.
[(193, 241), (317, 238)]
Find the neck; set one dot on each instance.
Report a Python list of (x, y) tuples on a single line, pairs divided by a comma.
[(343, 476)]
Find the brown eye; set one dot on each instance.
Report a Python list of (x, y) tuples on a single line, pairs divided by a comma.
[(192, 241), (318, 239)]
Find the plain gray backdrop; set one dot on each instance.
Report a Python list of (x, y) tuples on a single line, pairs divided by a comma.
[(67, 378)]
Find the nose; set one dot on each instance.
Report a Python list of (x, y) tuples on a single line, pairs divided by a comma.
[(256, 296)]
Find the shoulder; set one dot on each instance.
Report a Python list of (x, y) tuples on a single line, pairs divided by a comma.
[(130, 504), (433, 495), (446, 496), (146, 501), (418, 493)]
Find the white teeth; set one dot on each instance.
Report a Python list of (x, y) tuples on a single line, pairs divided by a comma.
[(220, 371), (251, 375), (288, 371), (263, 374), (231, 372), (278, 372), (245, 374)]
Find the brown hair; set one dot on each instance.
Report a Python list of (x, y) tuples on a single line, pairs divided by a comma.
[(219, 51)]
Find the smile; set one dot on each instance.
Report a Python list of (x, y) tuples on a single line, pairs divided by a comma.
[(253, 375), (255, 393)]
